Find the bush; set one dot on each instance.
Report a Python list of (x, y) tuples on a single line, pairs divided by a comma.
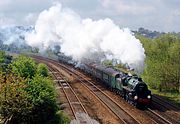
[(42, 96), (24, 67), (42, 70), (2, 56), (30, 97), (13, 98)]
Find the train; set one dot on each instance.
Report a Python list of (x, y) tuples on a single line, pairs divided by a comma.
[(130, 87), (66, 59)]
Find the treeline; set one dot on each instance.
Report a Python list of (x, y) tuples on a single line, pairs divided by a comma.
[(27, 94), (162, 69)]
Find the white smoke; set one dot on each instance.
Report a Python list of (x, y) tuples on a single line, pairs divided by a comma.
[(82, 38), (14, 34)]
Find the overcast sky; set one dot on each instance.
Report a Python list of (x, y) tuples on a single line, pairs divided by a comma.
[(160, 15)]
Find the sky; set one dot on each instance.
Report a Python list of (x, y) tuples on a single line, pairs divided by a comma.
[(159, 15)]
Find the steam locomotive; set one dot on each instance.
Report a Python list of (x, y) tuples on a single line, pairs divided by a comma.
[(130, 87)]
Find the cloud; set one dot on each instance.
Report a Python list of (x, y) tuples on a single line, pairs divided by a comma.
[(31, 18), (23, 12), (5, 21), (4, 3), (24, 5), (128, 7), (160, 15), (163, 13)]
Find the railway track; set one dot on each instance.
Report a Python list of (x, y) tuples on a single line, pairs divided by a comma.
[(75, 105), (166, 110), (107, 101), (157, 118), (165, 104), (110, 103), (162, 117)]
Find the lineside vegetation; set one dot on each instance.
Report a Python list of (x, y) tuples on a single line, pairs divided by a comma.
[(27, 94), (162, 62), (162, 71)]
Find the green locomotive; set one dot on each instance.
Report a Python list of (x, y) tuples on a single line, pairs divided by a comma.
[(132, 88)]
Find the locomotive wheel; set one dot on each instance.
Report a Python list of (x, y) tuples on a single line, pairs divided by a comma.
[(124, 96), (121, 94), (111, 89), (135, 104), (127, 98)]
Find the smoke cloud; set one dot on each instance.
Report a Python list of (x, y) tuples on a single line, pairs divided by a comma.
[(14, 34), (86, 38)]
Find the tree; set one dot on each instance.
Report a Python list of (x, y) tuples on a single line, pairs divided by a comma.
[(24, 67), (4, 61), (27, 94), (13, 98), (42, 70), (174, 60), (2, 56), (42, 96), (162, 62)]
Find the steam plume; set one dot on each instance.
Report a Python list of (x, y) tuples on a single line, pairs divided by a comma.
[(82, 38)]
